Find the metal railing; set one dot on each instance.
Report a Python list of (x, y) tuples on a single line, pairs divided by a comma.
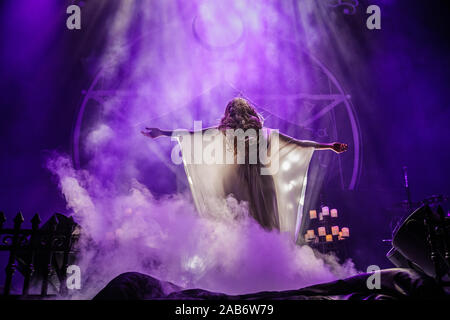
[(40, 254)]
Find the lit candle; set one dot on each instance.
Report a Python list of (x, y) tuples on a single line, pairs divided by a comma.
[(345, 232), (325, 211), (334, 213), (312, 214), (334, 230), (321, 231), (329, 238)]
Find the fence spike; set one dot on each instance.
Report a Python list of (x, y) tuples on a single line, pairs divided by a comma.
[(35, 221), (2, 219), (53, 222), (18, 219)]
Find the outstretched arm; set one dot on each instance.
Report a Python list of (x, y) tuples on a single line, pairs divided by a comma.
[(156, 132), (337, 147)]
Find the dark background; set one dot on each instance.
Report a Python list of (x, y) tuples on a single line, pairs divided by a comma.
[(41, 84)]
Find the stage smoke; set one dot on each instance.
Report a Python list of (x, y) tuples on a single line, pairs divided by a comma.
[(128, 229)]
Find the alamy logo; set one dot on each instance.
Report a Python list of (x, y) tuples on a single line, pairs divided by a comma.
[(234, 146), (73, 281), (374, 280), (74, 20), (374, 20)]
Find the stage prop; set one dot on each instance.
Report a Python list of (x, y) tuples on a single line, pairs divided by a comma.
[(395, 284), (325, 233), (422, 241)]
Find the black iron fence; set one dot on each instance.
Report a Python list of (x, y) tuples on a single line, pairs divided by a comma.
[(40, 254)]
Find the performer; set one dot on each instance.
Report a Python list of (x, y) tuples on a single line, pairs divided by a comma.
[(274, 190)]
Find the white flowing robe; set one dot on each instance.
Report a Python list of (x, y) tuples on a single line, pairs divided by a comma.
[(212, 179)]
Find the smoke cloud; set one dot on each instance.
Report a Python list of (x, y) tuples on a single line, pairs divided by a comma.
[(131, 230)]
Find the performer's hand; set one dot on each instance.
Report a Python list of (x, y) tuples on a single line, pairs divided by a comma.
[(152, 132), (339, 147)]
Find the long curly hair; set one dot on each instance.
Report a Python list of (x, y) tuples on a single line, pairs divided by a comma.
[(240, 114)]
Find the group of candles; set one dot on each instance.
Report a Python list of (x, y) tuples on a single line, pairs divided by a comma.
[(325, 212), (321, 231)]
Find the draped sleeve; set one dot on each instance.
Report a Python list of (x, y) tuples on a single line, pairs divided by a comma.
[(291, 181), (204, 159)]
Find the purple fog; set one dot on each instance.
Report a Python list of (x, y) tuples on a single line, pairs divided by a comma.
[(127, 229)]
